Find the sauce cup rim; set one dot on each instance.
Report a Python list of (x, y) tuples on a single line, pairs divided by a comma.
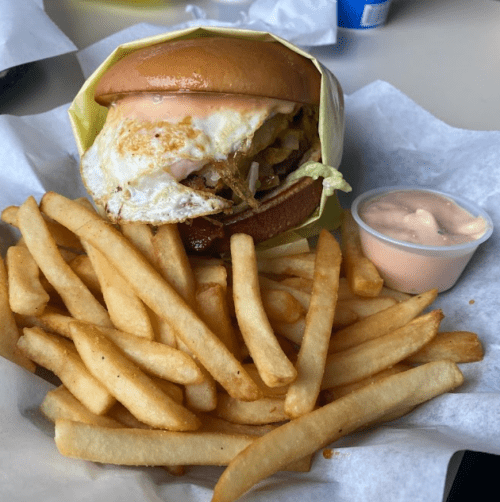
[(466, 204)]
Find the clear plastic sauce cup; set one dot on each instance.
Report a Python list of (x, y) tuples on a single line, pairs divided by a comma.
[(415, 268)]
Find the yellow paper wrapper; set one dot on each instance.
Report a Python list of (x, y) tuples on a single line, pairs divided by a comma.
[(87, 118)]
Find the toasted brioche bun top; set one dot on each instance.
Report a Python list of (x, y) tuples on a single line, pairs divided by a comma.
[(214, 64)]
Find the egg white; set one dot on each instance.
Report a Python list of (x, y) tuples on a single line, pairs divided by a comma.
[(133, 169)]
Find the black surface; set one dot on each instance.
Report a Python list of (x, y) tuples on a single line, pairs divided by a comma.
[(476, 479)]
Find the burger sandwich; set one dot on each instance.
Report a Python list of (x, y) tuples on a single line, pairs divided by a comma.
[(215, 133)]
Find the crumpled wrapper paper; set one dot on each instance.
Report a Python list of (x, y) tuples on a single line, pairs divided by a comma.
[(388, 140), (28, 34), (87, 117)]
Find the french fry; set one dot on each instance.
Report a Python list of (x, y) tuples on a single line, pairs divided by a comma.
[(266, 391), (155, 358), (329, 395), (141, 236), (382, 322), (155, 292), (301, 265), (365, 307), (211, 274), (281, 305), (173, 262), (52, 320), (126, 310), (60, 403), (263, 411), (303, 392), (61, 357), (62, 236), (127, 383), (329, 423), (392, 293), (9, 334), (26, 293), (75, 295), (305, 285), (274, 367), (213, 309), (456, 346), (362, 361), (301, 296), (363, 277), (83, 268), (125, 446), (299, 283), (295, 331), (216, 424), (299, 246)]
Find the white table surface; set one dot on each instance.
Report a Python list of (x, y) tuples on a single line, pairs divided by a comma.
[(444, 54)]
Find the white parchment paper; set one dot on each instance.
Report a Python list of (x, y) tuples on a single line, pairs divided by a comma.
[(389, 140), (28, 34)]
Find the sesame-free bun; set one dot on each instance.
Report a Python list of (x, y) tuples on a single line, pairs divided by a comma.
[(213, 64)]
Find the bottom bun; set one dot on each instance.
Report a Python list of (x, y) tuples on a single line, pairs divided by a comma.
[(275, 215)]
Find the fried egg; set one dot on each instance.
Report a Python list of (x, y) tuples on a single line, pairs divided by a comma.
[(150, 142)]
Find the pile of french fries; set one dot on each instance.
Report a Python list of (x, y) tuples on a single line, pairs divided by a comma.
[(255, 362)]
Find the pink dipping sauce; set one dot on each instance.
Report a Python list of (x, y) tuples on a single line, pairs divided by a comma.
[(418, 239)]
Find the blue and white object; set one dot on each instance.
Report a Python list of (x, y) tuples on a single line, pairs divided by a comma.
[(362, 14)]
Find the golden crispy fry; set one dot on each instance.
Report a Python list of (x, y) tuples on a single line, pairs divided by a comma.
[(62, 236), (173, 263), (266, 391), (126, 310), (365, 307), (457, 346), (329, 395), (216, 424), (299, 283), (52, 320), (141, 236), (295, 331), (60, 403), (26, 293), (128, 383), (303, 393), (305, 285), (156, 358), (213, 309), (211, 274), (300, 295), (155, 292), (263, 411), (362, 275), (75, 295), (83, 268), (9, 334), (392, 293), (61, 357), (314, 430), (146, 447), (362, 361), (299, 246), (382, 322), (281, 305), (274, 367), (301, 265)]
